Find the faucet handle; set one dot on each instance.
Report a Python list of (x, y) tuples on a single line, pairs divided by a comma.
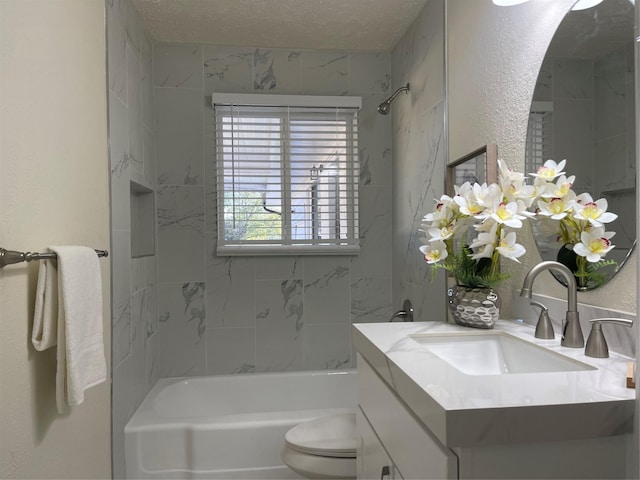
[(544, 328), (620, 321), (543, 308), (596, 343), (406, 313)]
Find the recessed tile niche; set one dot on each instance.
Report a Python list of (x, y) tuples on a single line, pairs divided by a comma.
[(142, 221)]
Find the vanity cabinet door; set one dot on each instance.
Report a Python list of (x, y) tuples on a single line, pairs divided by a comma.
[(415, 451), (373, 460)]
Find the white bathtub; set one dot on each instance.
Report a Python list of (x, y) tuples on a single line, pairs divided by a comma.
[(229, 426)]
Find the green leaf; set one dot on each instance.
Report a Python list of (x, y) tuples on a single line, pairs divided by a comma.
[(470, 272)]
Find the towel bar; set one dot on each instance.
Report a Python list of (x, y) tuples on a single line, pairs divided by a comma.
[(8, 257)]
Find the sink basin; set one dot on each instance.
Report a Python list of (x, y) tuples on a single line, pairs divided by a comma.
[(496, 353)]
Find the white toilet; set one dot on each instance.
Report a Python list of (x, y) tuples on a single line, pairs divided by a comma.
[(323, 448)]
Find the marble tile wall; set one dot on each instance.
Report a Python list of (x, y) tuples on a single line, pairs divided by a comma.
[(569, 84), (419, 158), (221, 315), (615, 140), (135, 332)]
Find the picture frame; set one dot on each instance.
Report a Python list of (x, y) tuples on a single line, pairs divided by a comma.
[(479, 166)]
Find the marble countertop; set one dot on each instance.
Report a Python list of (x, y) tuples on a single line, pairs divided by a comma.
[(469, 410)]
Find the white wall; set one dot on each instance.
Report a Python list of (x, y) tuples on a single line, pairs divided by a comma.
[(53, 190)]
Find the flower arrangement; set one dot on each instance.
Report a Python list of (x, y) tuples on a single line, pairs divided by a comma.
[(495, 211), (578, 220)]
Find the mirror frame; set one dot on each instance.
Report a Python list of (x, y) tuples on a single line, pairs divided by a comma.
[(490, 151)]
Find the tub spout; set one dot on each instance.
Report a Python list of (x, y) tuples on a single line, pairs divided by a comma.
[(571, 331)]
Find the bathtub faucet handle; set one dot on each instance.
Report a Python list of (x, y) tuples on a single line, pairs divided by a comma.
[(406, 313), (385, 472)]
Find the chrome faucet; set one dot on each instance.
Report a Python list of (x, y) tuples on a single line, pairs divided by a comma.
[(571, 331)]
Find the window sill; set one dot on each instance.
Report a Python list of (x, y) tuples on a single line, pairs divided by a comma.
[(290, 250)]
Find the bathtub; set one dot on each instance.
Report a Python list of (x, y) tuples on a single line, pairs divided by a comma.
[(229, 426)]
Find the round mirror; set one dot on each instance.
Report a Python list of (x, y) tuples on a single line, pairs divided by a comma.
[(583, 110)]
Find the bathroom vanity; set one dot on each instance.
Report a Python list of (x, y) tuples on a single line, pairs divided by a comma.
[(437, 400)]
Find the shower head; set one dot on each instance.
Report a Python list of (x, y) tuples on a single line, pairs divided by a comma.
[(385, 106)]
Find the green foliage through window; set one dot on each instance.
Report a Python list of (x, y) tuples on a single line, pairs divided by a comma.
[(246, 219)]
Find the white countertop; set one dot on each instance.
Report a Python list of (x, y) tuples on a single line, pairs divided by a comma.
[(469, 410)]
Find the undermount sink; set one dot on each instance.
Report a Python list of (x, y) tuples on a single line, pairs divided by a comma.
[(495, 353)]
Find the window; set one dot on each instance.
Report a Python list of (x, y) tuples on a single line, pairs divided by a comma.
[(539, 136), (287, 174)]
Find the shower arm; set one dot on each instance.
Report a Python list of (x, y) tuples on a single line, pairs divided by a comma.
[(396, 93)]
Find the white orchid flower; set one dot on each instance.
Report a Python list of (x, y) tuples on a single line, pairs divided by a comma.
[(556, 208), (523, 211), (445, 201), (475, 201), (485, 194), (439, 234), (508, 175), (507, 214), (507, 246), (560, 189), (595, 213), (436, 217), (463, 189), (584, 198), (484, 244), (550, 170), (434, 252), (468, 205), (530, 194), (594, 244), (444, 211), (520, 191)]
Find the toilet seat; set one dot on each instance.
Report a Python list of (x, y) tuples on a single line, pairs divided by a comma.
[(323, 448), (331, 436)]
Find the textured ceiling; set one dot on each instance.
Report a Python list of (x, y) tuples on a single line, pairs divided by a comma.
[(369, 25)]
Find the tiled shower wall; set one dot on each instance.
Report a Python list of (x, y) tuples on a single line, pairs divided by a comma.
[(256, 314), (615, 139), (419, 158), (131, 149)]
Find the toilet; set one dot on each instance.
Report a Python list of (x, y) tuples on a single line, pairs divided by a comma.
[(323, 448)]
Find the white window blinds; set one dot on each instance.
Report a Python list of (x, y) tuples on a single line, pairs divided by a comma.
[(287, 174), (538, 146)]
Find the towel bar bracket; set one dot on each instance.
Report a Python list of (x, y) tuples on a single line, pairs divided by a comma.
[(9, 257)]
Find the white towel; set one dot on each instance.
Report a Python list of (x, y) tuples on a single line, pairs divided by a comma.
[(45, 316), (76, 317)]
